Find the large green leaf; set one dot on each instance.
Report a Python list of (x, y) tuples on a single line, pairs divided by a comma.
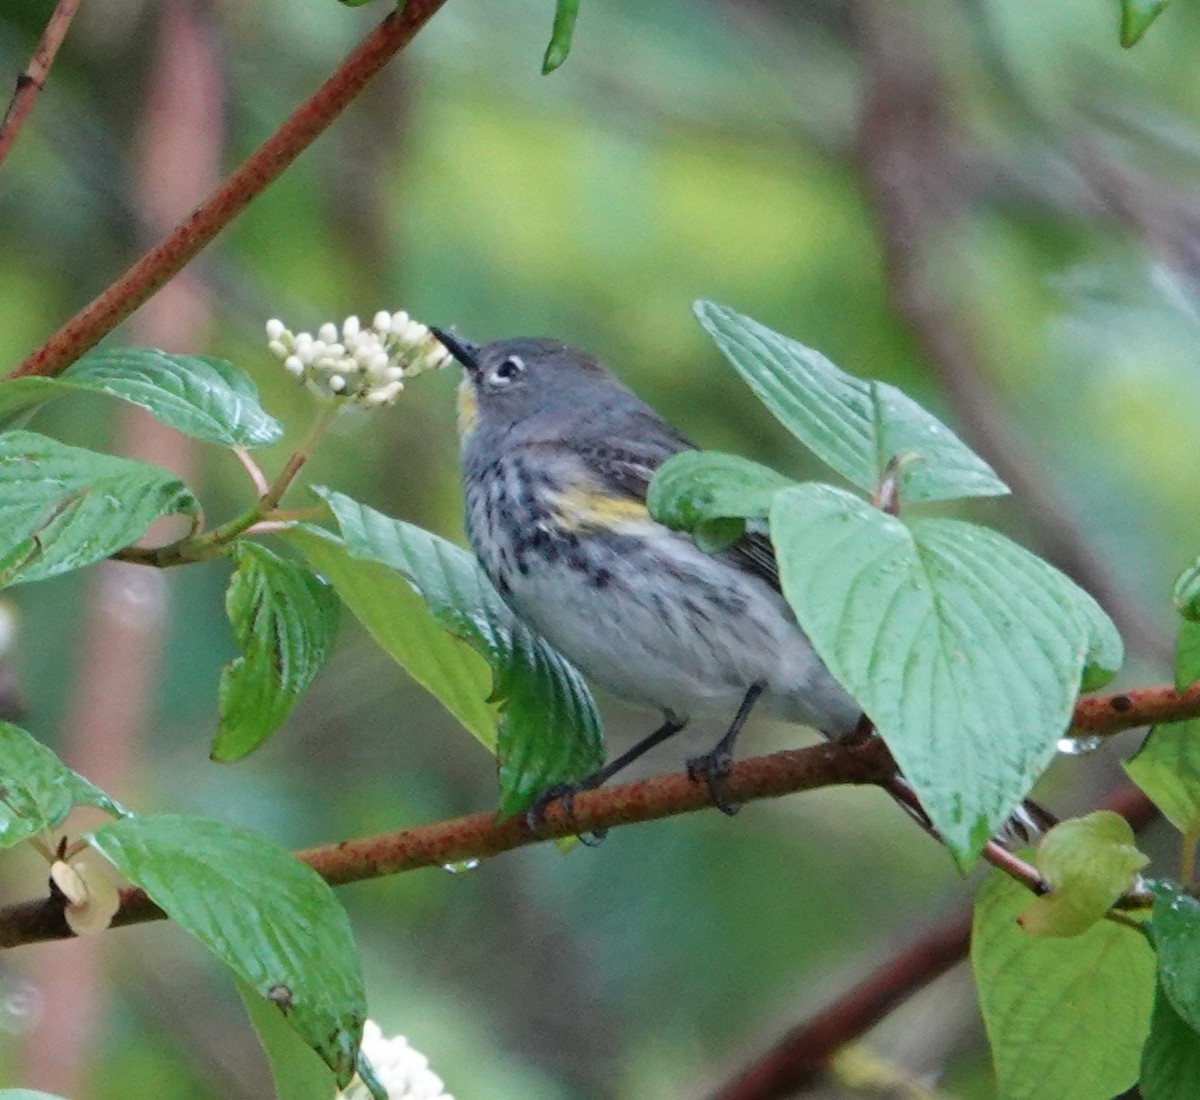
[(1171, 1056), (1176, 926), (1167, 768), (206, 398), (296, 1070), (854, 425), (964, 649), (62, 507), (550, 729), (1088, 863), (285, 619), (270, 918), (1066, 1018), (407, 630), (37, 790)]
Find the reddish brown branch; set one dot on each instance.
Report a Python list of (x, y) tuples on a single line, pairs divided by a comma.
[(478, 836), (33, 79), (174, 251)]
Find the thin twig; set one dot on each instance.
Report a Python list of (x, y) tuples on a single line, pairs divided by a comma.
[(33, 79), (257, 477), (262, 167)]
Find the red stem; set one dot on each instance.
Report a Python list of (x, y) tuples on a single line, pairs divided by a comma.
[(33, 79), (175, 250)]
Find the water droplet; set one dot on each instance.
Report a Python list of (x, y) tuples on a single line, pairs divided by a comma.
[(1078, 746), (20, 1006), (461, 867)]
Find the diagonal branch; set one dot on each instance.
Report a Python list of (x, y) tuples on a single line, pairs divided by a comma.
[(33, 79), (481, 835), (262, 167), (798, 1060)]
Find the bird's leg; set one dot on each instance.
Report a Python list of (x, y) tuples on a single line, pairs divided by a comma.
[(714, 766), (565, 792)]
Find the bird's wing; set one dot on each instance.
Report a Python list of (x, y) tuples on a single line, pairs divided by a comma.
[(626, 468)]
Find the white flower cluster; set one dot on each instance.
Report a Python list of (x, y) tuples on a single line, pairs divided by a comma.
[(364, 365), (402, 1071)]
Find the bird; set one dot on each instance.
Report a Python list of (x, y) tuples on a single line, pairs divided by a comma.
[(557, 456)]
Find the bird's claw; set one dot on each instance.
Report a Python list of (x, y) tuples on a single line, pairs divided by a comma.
[(710, 769), (563, 793)]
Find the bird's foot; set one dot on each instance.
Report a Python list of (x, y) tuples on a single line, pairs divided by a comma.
[(711, 769), (564, 794)]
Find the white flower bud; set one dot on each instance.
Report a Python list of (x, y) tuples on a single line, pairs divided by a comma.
[(393, 374), (382, 321), (87, 882), (399, 320), (350, 327), (294, 366), (385, 394), (328, 332), (275, 329), (337, 383), (278, 349)]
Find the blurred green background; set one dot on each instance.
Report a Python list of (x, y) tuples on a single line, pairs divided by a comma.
[(686, 149)]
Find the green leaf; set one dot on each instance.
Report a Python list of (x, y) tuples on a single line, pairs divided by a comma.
[(296, 1069), (37, 790), (549, 730), (62, 508), (1088, 862), (26, 1094), (403, 625), (855, 426), (1187, 655), (1175, 923), (285, 620), (1171, 1056), (1187, 592), (1167, 768), (565, 14), (1136, 17), (1066, 1018), (694, 486), (938, 629), (206, 398), (270, 918)]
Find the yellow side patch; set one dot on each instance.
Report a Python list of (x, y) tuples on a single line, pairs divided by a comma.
[(468, 408), (579, 509)]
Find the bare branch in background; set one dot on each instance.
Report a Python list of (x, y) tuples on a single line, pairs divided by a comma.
[(33, 79)]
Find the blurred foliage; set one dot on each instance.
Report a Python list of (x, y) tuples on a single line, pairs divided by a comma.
[(684, 150)]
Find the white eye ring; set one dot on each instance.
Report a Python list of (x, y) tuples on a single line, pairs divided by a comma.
[(508, 369)]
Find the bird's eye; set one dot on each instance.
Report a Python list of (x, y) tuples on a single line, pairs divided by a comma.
[(508, 370)]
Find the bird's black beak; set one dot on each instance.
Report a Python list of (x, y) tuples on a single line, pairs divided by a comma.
[(462, 350)]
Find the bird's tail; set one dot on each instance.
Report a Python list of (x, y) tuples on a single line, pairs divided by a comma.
[(1028, 824)]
